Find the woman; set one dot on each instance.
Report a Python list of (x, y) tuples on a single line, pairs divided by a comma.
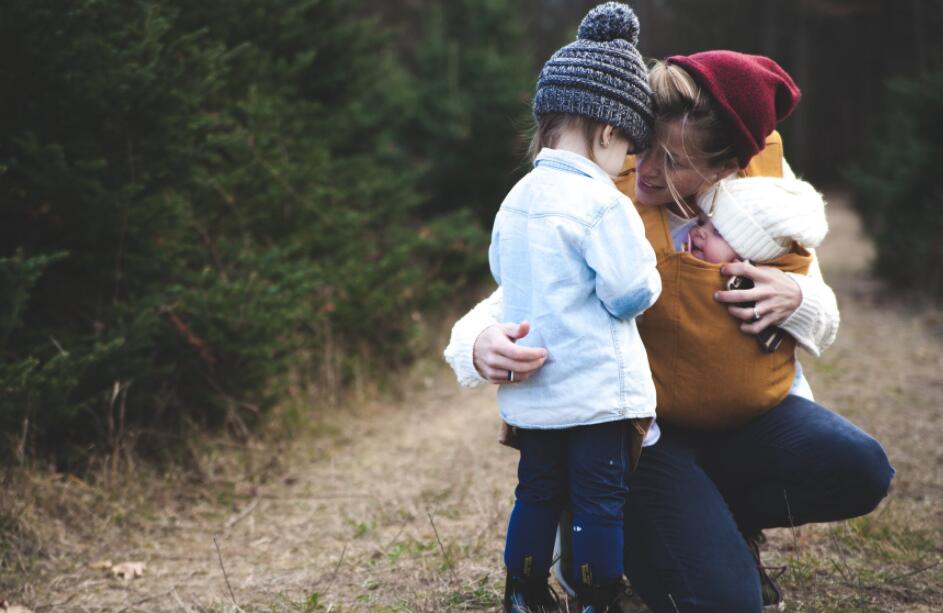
[(699, 498)]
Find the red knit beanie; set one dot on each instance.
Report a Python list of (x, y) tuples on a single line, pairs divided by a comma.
[(753, 93)]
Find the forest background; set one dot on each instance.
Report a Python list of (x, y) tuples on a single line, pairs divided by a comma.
[(219, 218), (205, 206)]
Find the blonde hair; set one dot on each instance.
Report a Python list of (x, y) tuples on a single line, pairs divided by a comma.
[(677, 97)]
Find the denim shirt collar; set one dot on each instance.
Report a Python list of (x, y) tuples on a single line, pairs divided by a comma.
[(568, 161)]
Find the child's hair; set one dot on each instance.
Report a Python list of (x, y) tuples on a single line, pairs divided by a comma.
[(678, 97), (550, 126)]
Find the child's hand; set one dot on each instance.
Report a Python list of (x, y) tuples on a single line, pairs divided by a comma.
[(495, 354), (775, 294)]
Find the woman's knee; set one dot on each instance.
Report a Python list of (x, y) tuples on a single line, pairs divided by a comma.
[(875, 476), (867, 473)]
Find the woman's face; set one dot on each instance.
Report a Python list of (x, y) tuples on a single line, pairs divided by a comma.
[(669, 160)]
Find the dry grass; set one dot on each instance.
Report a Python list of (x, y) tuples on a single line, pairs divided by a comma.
[(883, 373), (400, 504), (349, 519)]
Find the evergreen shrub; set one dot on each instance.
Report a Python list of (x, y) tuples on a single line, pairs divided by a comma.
[(898, 187), (471, 104), (197, 199)]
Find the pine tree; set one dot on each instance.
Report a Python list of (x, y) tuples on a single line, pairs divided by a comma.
[(195, 200), (897, 186), (472, 107)]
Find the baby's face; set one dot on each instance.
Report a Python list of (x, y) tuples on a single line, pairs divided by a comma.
[(707, 244)]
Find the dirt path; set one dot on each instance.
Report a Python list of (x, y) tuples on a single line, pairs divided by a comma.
[(350, 521), (407, 511)]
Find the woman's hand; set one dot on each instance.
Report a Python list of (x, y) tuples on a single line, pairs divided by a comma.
[(775, 294), (495, 353)]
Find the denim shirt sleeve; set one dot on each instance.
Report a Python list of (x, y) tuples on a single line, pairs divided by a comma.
[(494, 260), (627, 282)]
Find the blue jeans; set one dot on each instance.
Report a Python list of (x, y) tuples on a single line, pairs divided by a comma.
[(695, 491), (586, 465)]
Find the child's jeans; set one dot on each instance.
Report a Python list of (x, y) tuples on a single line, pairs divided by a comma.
[(587, 465)]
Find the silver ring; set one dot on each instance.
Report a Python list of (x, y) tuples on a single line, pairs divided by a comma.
[(511, 376), (756, 314)]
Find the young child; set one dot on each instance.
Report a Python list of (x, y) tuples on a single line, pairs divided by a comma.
[(570, 252)]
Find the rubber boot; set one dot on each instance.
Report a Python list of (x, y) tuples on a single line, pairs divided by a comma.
[(601, 598), (529, 596)]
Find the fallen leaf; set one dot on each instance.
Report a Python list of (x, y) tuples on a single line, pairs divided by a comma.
[(128, 570)]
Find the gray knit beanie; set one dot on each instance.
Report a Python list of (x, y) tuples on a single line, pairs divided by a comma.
[(601, 75)]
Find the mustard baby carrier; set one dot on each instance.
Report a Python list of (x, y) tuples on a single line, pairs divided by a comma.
[(709, 374)]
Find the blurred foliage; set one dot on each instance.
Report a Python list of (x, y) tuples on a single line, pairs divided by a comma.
[(472, 105), (898, 188), (198, 198), (840, 52)]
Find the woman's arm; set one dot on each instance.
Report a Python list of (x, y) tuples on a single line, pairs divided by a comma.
[(481, 349), (815, 323), (802, 305)]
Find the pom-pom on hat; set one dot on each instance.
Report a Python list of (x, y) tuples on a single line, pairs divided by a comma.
[(753, 93), (601, 75), (761, 217)]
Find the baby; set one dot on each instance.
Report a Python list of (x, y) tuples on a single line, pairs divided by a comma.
[(765, 224), (757, 219)]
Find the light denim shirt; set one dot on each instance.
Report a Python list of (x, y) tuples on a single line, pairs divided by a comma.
[(570, 251)]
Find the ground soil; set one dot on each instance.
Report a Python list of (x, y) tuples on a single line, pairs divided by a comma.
[(402, 504)]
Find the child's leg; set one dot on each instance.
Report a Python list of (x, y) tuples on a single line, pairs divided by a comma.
[(598, 466), (541, 477)]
